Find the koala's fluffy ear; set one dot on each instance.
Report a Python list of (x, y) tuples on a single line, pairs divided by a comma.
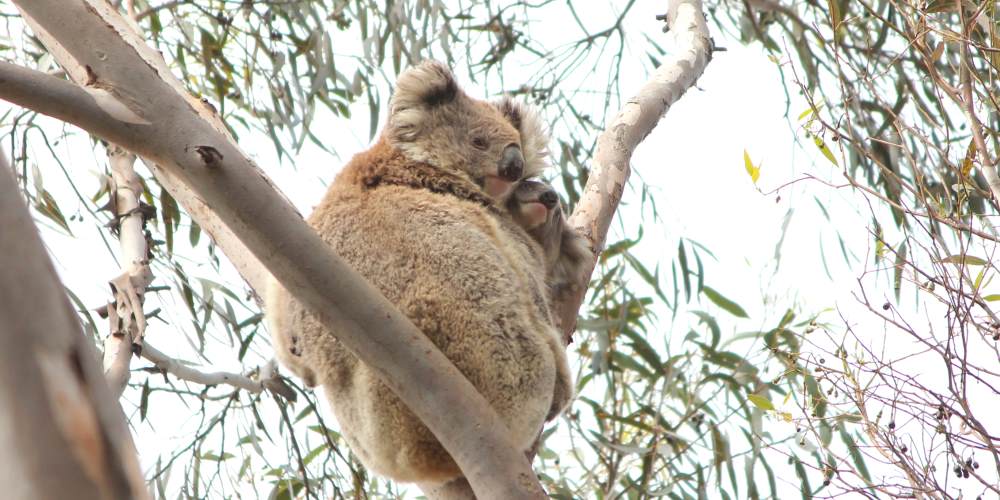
[(419, 89), (534, 137)]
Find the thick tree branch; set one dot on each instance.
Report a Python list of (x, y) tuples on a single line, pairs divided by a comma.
[(610, 170), (87, 109), (62, 434), (165, 126), (252, 271)]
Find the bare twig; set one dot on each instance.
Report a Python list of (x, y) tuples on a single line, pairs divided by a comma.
[(254, 385)]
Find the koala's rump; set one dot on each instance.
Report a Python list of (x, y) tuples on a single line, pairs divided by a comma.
[(467, 285)]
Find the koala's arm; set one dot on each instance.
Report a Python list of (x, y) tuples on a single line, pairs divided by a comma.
[(575, 259)]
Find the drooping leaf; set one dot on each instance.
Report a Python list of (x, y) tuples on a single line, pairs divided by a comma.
[(821, 144), (721, 301), (897, 275), (713, 326), (682, 259), (964, 259), (753, 170), (761, 402), (852, 449)]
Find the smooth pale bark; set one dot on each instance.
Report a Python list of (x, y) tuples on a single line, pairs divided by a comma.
[(253, 272), (691, 51), (131, 100), (62, 434), (126, 319)]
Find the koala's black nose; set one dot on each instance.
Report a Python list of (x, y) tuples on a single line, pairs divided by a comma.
[(549, 199), (511, 165)]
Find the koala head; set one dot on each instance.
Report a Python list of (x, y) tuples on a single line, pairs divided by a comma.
[(534, 146), (535, 207), (432, 120)]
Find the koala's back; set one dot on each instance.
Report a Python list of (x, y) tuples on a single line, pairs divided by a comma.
[(463, 281)]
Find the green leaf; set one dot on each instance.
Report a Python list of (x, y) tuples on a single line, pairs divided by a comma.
[(964, 259), (993, 297), (753, 170), (144, 401), (194, 233), (856, 456), (879, 243), (624, 363), (713, 325), (761, 402), (48, 207), (643, 349), (804, 487), (897, 275), (216, 458), (170, 213), (682, 258), (650, 278), (835, 16), (720, 455), (721, 301), (823, 148)]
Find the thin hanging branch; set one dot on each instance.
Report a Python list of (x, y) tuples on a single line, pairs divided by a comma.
[(266, 378)]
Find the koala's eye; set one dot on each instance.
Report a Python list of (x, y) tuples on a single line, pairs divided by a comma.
[(480, 143)]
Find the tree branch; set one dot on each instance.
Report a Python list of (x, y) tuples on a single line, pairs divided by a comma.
[(125, 314), (62, 434), (184, 372), (166, 126), (637, 118)]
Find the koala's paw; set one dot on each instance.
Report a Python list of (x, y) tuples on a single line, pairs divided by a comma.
[(291, 358), (575, 260)]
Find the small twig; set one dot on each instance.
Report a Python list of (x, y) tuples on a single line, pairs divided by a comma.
[(267, 376)]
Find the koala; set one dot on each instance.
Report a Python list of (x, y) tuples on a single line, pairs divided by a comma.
[(411, 215), (535, 207)]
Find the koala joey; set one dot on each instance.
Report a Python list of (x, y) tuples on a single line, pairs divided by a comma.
[(535, 206), (410, 214)]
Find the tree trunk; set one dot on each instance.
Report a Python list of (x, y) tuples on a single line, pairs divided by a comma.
[(62, 434)]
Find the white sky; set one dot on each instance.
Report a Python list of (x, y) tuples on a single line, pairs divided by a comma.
[(693, 163)]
